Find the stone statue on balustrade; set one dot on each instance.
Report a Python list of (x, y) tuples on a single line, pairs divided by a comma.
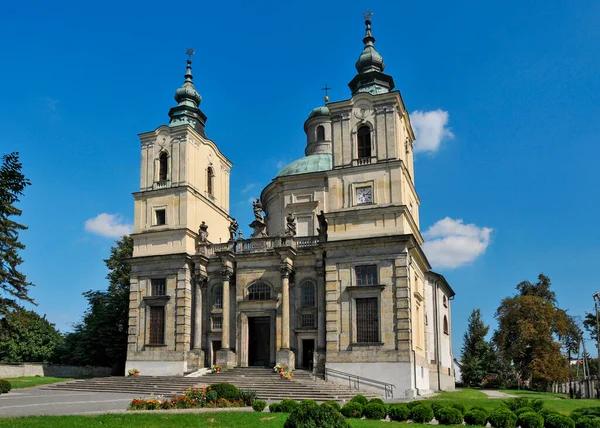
[(233, 228), (322, 229), (203, 233), (290, 227), (258, 225)]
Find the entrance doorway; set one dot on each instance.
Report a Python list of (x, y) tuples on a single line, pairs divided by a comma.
[(216, 346), (259, 341), (308, 349)]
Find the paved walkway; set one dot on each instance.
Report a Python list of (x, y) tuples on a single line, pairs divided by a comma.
[(37, 402), (492, 393)]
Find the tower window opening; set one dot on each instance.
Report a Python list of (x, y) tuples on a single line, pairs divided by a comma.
[(161, 217), (320, 133), (163, 166), (446, 330), (210, 176), (364, 142)]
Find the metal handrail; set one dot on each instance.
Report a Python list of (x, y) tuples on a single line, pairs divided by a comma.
[(354, 381)]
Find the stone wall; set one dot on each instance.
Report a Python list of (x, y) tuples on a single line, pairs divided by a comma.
[(8, 370)]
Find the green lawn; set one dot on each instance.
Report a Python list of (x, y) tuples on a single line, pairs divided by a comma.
[(29, 381)]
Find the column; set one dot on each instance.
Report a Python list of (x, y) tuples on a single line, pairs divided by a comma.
[(226, 273), (285, 307), (200, 281)]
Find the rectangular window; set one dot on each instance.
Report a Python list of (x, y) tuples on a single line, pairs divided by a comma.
[(367, 320), (159, 287), (161, 217), (157, 325), (217, 323), (366, 275), (307, 320)]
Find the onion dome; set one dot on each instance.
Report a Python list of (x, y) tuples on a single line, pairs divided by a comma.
[(186, 94), (188, 100), (369, 59), (319, 111)]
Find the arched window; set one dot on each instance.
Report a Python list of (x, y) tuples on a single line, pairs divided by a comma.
[(320, 133), (308, 294), (163, 162), (218, 297), (446, 331), (445, 301), (364, 142), (210, 176), (259, 291)]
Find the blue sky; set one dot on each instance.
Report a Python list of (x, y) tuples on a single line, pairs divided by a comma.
[(504, 96)]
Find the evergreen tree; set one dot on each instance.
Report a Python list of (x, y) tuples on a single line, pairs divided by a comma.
[(13, 283), (476, 351)]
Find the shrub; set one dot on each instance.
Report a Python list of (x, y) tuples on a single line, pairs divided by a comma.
[(287, 405), (421, 413), (476, 417), (412, 404), (226, 391), (544, 413), (275, 408), (259, 405), (503, 418), (436, 409), (459, 407), (309, 414), (376, 400), (247, 396), (559, 421), (360, 399), (530, 420), (212, 396), (375, 411), (523, 410), (588, 422), (5, 386), (518, 403), (331, 403), (449, 415), (352, 409), (399, 412), (585, 411)]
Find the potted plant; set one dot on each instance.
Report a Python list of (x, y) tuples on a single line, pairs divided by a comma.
[(215, 368), (278, 368), (133, 372)]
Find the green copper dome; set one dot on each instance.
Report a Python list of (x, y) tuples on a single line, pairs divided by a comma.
[(312, 163), (319, 111)]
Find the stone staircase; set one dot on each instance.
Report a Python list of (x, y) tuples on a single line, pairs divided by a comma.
[(267, 384)]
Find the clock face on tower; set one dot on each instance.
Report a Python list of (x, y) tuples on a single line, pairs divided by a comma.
[(364, 195)]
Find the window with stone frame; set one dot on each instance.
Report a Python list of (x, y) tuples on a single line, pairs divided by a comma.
[(159, 287), (367, 320), (366, 275), (157, 325), (308, 291), (210, 179), (320, 133), (163, 166), (307, 320), (259, 291), (217, 302), (364, 142), (217, 323), (161, 217)]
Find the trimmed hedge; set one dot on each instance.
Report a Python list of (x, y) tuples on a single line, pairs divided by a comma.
[(588, 422), (530, 420), (502, 417), (412, 404), (5, 386), (399, 412), (374, 411), (333, 404), (476, 417), (523, 410), (559, 421), (449, 416), (584, 411), (459, 407), (421, 413), (275, 408), (287, 405), (360, 399), (352, 409), (259, 405), (226, 391), (309, 414), (376, 400)]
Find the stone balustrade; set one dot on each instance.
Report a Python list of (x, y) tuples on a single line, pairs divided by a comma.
[(257, 245)]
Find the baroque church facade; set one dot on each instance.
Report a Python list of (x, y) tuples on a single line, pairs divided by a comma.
[(333, 277)]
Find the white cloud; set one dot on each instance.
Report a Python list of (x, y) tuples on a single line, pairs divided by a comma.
[(450, 243), (248, 187), (109, 225), (430, 129)]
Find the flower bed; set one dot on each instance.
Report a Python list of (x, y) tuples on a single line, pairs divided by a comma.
[(194, 398)]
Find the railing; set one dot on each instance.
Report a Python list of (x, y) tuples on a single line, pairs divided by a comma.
[(365, 160), (162, 184), (257, 245), (355, 380)]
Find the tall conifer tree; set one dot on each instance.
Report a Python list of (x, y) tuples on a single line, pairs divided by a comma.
[(476, 351)]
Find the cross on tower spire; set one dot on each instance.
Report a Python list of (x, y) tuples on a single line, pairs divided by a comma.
[(326, 88), (189, 52)]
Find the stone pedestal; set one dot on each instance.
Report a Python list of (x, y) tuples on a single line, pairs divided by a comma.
[(260, 229), (287, 358), (196, 359), (226, 358)]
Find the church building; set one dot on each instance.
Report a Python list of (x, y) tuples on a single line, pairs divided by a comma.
[(333, 278)]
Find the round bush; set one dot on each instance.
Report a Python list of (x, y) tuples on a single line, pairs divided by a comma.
[(588, 422), (288, 405), (559, 421), (352, 409), (360, 399), (503, 418), (275, 408), (544, 413), (584, 411), (259, 405), (421, 413), (449, 416), (310, 414), (5, 386), (459, 407), (226, 391), (333, 404), (399, 412), (530, 420), (412, 404), (523, 410), (376, 400), (476, 417), (374, 411), (436, 407)]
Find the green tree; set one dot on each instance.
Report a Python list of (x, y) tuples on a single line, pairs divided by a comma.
[(13, 283), (27, 337), (529, 325), (101, 337), (476, 351)]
